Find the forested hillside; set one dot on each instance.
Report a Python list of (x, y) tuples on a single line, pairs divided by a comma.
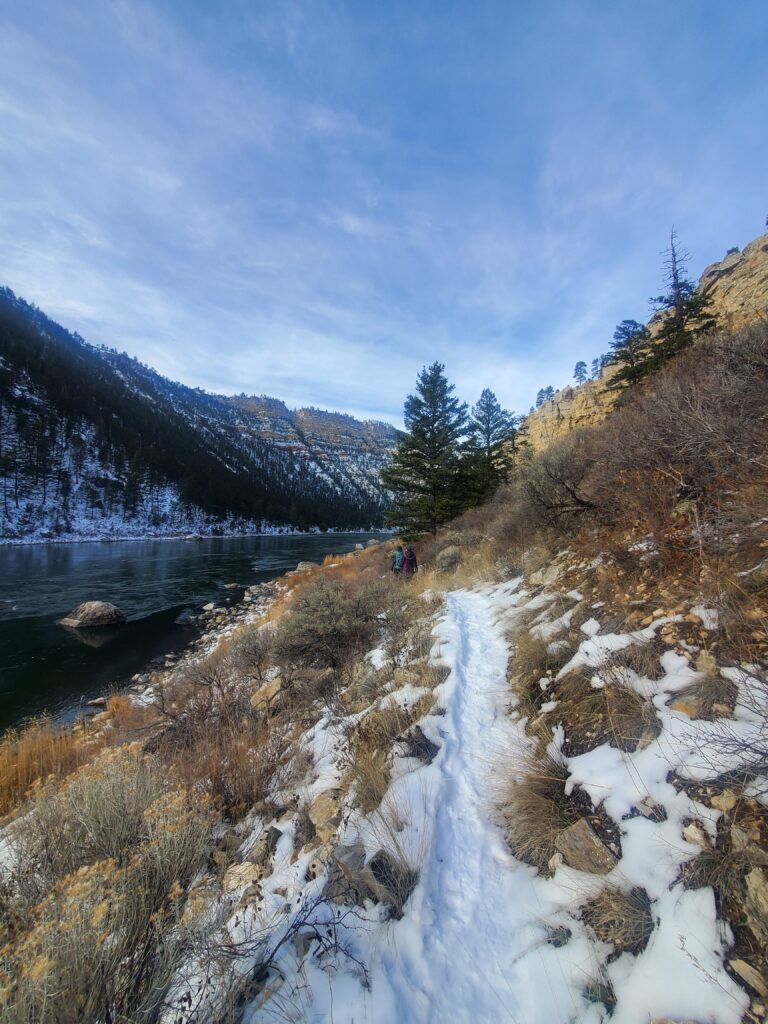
[(93, 442)]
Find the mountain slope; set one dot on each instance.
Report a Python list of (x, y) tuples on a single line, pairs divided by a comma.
[(92, 441)]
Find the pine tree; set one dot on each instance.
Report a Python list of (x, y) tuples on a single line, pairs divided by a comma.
[(426, 466), (686, 313), (631, 348), (491, 442), (580, 372)]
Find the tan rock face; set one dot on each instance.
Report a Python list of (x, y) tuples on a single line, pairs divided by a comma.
[(738, 285), (241, 875)]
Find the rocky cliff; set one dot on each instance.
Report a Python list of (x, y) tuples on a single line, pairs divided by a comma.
[(738, 285)]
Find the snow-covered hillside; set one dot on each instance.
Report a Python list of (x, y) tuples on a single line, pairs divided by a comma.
[(94, 443)]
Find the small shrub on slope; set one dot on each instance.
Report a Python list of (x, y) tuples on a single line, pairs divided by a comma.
[(328, 625)]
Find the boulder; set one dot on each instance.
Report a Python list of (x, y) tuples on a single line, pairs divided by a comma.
[(582, 849), (448, 559), (305, 566), (262, 850), (92, 614)]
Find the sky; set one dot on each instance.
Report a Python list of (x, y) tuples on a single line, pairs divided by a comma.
[(312, 200)]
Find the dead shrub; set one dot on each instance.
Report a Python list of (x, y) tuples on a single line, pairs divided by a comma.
[(621, 919), (371, 744), (40, 750), (109, 936), (251, 651), (96, 815), (535, 809), (532, 661)]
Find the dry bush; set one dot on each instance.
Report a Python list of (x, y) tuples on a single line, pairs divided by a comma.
[(535, 809), (127, 717), (553, 486), (237, 753), (40, 750), (611, 714), (711, 697), (105, 942), (621, 919), (97, 814), (250, 653), (696, 430), (329, 624)]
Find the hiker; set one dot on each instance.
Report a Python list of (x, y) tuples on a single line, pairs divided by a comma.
[(397, 560), (410, 565)]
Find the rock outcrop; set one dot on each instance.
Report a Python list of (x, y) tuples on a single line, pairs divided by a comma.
[(738, 287)]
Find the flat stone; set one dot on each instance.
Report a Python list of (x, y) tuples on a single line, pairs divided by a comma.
[(695, 834), (582, 849), (749, 974), (725, 801), (305, 566)]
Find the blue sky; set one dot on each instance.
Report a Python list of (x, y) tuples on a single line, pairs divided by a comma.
[(314, 199)]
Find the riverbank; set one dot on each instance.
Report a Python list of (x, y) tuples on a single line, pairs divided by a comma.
[(109, 538)]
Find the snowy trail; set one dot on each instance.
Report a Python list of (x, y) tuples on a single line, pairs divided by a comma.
[(471, 917)]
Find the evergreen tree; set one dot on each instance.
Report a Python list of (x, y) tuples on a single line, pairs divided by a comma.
[(580, 372), (686, 313), (540, 398), (631, 349), (491, 442), (425, 471)]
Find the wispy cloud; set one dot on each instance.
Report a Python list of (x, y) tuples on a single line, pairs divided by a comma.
[(314, 201)]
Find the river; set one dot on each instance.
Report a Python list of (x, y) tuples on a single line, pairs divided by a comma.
[(44, 667)]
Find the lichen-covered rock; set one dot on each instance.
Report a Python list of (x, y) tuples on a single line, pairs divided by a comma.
[(93, 614)]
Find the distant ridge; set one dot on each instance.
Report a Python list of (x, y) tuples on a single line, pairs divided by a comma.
[(95, 443)]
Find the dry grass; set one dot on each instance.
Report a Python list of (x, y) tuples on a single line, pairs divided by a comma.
[(710, 698), (611, 714), (622, 919), (533, 660), (371, 745), (535, 810), (40, 751), (642, 659)]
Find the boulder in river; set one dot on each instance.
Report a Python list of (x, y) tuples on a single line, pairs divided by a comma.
[(92, 614)]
